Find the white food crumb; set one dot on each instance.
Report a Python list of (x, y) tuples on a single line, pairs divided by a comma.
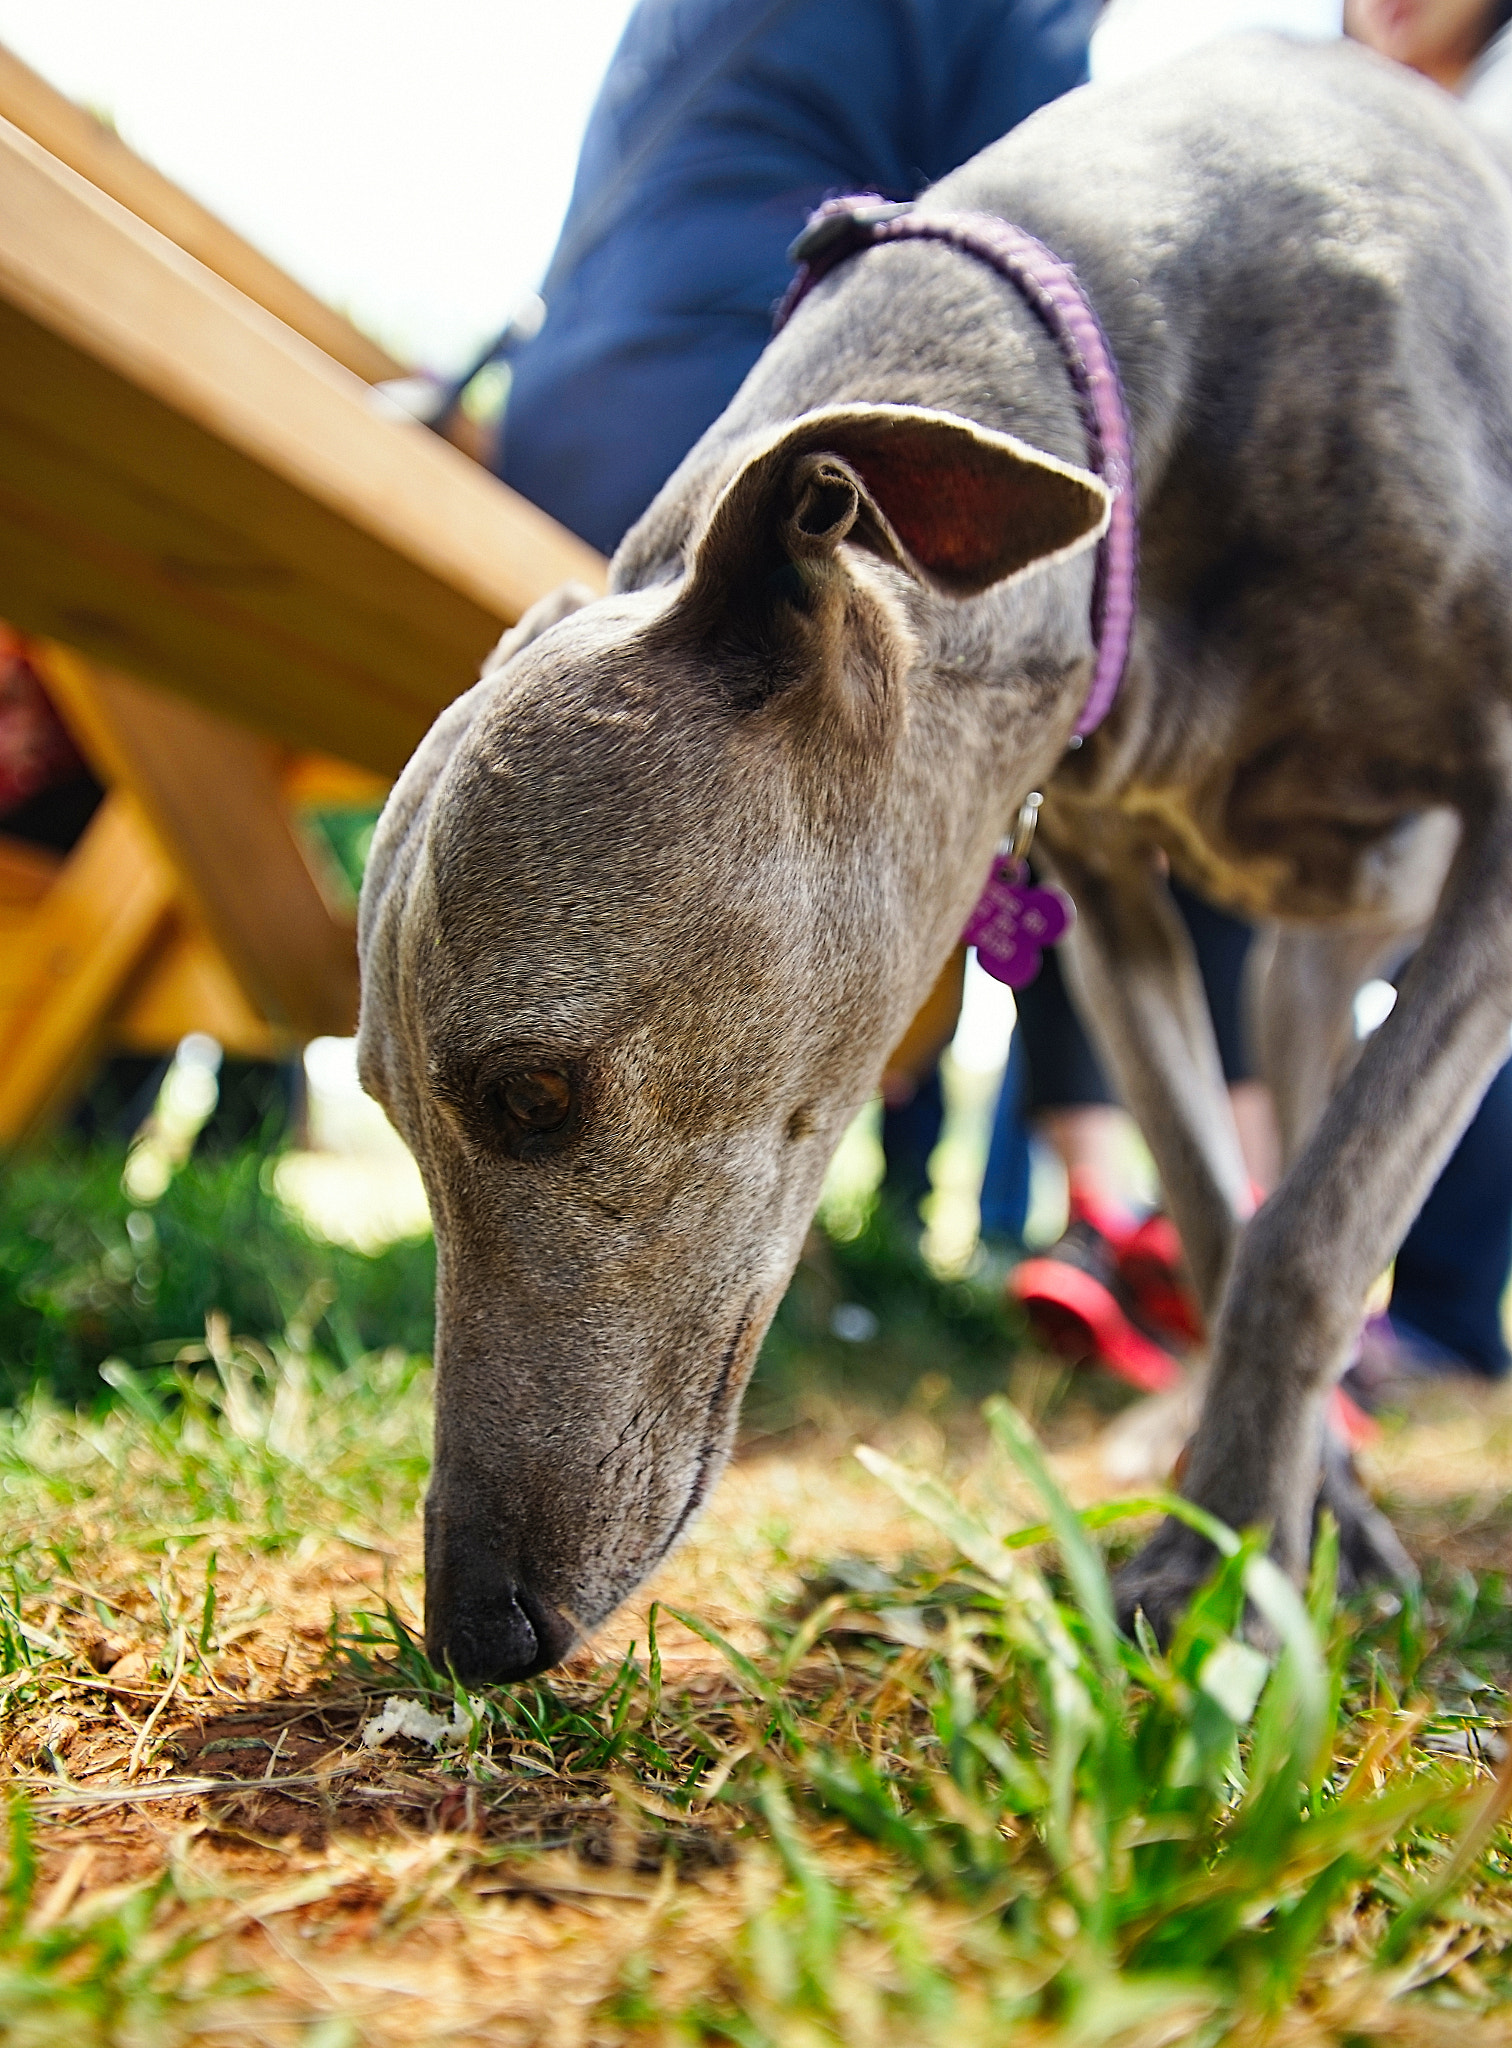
[(408, 1717)]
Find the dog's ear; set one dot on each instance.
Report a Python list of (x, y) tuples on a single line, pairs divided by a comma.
[(958, 506), (546, 612)]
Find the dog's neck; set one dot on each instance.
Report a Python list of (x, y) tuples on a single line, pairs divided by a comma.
[(858, 337), (1050, 288)]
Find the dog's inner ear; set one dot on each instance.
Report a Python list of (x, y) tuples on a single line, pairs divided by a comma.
[(767, 556), (967, 507), (959, 507), (829, 504)]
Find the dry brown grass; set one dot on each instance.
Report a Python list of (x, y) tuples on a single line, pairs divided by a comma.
[(365, 1884)]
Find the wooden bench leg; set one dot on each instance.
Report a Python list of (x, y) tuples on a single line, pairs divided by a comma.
[(213, 794), (77, 955)]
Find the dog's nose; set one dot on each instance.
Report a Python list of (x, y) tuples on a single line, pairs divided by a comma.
[(494, 1640), (489, 1626)]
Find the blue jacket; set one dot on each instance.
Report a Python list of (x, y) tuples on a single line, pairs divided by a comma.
[(719, 125)]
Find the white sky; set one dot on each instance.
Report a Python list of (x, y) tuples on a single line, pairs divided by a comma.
[(1136, 35), (410, 164)]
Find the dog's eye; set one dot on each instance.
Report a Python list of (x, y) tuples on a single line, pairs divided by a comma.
[(526, 1111), (538, 1100)]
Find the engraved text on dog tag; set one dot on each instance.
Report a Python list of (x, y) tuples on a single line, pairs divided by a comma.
[(1014, 922)]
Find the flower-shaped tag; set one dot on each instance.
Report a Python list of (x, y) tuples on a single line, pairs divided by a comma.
[(1014, 922)]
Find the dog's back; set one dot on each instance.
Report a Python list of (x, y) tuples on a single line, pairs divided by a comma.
[(1270, 209), (1304, 256)]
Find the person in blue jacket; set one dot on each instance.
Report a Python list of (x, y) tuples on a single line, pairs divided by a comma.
[(719, 126)]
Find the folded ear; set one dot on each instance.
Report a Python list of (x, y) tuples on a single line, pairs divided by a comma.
[(546, 612), (958, 506)]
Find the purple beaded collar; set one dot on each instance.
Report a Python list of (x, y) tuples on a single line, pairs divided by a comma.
[(842, 227)]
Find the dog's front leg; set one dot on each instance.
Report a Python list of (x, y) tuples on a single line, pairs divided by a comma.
[(1292, 1308), (1133, 970), (1304, 998), (1304, 1018), (1304, 1027)]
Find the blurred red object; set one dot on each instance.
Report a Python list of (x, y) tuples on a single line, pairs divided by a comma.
[(36, 752)]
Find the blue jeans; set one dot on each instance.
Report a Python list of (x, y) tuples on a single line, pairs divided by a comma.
[(1452, 1269)]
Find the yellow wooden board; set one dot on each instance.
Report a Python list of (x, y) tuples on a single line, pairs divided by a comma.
[(192, 492), (185, 985), (214, 797), (188, 905), (86, 943)]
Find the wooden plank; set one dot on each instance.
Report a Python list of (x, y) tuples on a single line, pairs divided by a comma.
[(97, 153), (933, 1027), (192, 491), (92, 273), (185, 985), (86, 940), (26, 872), (306, 626), (319, 782), (212, 792)]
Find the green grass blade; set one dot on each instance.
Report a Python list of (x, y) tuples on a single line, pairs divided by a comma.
[(927, 1497), (1083, 1562), (1485, 1816), (21, 1878), (753, 1680)]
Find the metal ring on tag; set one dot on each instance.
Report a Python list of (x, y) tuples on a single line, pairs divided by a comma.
[(1023, 830)]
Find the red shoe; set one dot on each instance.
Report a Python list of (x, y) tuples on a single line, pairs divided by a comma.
[(1151, 1267), (1351, 1421), (1079, 1308)]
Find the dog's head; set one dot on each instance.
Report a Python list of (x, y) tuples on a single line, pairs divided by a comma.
[(644, 917)]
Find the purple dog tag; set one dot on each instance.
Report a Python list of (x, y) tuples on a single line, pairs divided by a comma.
[(1013, 923)]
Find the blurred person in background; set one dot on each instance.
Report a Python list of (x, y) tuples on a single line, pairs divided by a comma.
[(1462, 45), (1112, 1286), (720, 125)]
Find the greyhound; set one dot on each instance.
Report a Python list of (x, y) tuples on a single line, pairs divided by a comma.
[(651, 904)]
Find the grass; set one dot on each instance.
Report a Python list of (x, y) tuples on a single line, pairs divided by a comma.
[(925, 1338), (868, 1764), (876, 1768), (87, 1274)]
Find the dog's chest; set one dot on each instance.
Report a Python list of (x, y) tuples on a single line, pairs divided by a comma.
[(1296, 818)]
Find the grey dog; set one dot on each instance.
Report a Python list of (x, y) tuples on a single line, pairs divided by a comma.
[(652, 902)]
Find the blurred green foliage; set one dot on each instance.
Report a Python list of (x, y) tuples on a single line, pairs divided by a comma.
[(88, 1274), (867, 1318), (345, 833)]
